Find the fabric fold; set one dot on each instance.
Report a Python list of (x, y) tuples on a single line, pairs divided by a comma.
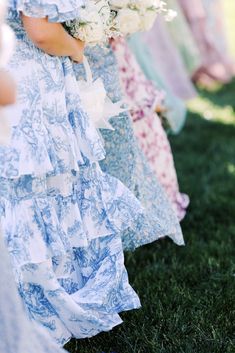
[(52, 215), (54, 10), (53, 133)]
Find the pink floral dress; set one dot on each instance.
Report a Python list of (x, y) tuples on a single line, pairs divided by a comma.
[(143, 98)]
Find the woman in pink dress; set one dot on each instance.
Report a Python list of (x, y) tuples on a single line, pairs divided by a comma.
[(144, 100)]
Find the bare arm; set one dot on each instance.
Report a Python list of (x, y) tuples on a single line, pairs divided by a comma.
[(52, 38), (7, 89)]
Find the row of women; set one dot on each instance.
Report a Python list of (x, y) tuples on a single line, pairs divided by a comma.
[(72, 198)]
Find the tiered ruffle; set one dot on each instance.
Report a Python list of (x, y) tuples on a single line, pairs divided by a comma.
[(61, 216), (56, 214), (63, 234)]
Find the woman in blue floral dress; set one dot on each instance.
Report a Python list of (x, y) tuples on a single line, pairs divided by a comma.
[(61, 216), (125, 160)]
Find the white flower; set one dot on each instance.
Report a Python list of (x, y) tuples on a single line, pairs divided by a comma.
[(147, 20), (119, 4), (128, 21), (89, 27), (170, 15), (143, 5), (103, 8)]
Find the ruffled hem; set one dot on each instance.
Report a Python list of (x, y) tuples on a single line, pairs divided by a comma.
[(86, 298), (63, 236), (62, 212), (180, 205), (55, 11), (152, 230)]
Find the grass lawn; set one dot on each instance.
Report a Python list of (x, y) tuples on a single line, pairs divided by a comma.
[(188, 294)]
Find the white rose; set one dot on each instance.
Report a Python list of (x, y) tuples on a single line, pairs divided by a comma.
[(142, 3), (148, 19), (119, 4), (128, 21), (90, 27), (145, 4), (103, 8)]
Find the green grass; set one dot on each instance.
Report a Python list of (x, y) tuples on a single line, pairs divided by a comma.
[(188, 294)]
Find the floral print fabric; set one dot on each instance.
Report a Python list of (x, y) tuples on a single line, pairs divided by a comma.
[(143, 99), (15, 326)]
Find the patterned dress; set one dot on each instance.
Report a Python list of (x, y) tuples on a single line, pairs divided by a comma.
[(179, 29), (143, 98), (61, 216), (176, 107), (125, 161), (17, 333), (168, 59)]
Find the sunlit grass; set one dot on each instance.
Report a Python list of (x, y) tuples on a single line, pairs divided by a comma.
[(231, 168), (210, 111)]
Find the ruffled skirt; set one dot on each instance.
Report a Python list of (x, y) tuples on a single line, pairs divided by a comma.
[(63, 234), (61, 215)]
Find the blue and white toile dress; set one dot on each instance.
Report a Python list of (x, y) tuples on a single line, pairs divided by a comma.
[(17, 334), (125, 161), (61, 216)]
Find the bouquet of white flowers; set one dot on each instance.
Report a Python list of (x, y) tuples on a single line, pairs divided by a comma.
[(135, 15), (94, 23), (100, 20)]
